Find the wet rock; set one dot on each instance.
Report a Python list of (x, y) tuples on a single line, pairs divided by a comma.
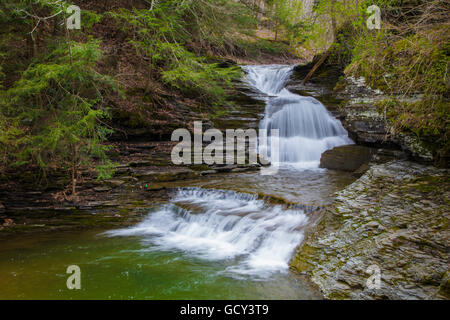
[(129, 179), (413, 146), (365, 125), (122, 170), (147, 174), (361, 170), (8, 223), (386, 155), (165, 176), (141, 163), (346, 158), (181, 174), (368, 126), (208, 172), (114, 183), (225, 168), (241, 169), (102, 189), (155, 187), (393, 218)]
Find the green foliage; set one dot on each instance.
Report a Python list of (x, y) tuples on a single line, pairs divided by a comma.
[(53, 114), (193, 76), (165, 36), (288, 22), (416, 63), (427, 118), (407, 57)]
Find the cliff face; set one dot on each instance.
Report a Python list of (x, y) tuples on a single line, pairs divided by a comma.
[(368, 126), (396, 218)]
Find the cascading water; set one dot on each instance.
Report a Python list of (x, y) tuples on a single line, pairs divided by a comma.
[(203, 243), (217, 224), (256, 238), (305, 126)]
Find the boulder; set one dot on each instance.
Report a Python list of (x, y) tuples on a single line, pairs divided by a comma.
[(346, 158)]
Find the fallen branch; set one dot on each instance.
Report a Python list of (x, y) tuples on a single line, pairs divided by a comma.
[(316, 66)]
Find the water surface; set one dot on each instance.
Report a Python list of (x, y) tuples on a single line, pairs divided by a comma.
[(219, 237)]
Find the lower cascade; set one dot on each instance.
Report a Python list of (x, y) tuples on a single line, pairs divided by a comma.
[(217, 224), (306, 128)]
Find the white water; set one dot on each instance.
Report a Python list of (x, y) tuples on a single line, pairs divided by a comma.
[(255, 237), (306, 127), (248, 235)]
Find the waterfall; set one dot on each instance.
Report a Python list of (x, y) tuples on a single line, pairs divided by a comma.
[(218, 224), (255, 237), (305, 126)]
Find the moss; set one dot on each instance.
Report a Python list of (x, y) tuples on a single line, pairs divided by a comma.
[(199, 167), (338, 295), (301, 260), (408, 65), (444, 288), (430, 184)]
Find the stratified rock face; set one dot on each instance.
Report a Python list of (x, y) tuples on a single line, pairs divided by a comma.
[(367, 126), (396, 218), (346, 158)]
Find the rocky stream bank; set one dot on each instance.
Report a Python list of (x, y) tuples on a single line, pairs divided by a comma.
[(395, 216), (392, 220)]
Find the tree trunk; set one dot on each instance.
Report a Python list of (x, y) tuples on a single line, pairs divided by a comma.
[(333, 19), (74, 179)]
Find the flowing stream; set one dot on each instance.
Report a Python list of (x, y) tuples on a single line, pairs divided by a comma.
[(221, 237), (306, 128)]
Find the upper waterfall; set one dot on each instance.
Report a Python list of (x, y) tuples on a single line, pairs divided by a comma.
[(305, 126)]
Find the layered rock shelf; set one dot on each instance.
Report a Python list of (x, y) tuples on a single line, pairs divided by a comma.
[(394, 217)]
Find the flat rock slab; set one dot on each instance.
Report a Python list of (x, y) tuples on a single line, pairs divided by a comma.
[(346, 158), (394, 219), (102, 189)]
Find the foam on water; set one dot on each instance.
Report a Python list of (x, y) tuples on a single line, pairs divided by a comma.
[(260, 238)]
